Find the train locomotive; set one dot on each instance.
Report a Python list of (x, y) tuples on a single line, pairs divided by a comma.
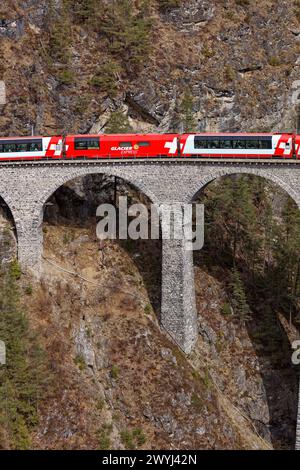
[(279, 146)]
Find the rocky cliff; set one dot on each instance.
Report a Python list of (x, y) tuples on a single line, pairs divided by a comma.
[(66, 73)]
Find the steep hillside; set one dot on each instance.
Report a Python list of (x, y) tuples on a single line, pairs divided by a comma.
[(118, 382), (66, 68)]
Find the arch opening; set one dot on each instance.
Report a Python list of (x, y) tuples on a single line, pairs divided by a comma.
[(248, 299), (69, 222), (8, 233)]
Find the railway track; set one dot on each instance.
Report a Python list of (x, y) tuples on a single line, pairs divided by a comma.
[(139, 161)]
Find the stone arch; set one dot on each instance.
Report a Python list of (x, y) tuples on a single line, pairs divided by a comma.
[(67, 176), (216, 173), (286, 180), (8, 201)]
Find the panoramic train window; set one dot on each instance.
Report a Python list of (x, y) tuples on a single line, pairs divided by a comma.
[(87, 143), (125, 145), (21, 146), (233, 143)]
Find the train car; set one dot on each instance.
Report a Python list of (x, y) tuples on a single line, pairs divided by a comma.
[(122, 146), (30, 148), (282, 146)]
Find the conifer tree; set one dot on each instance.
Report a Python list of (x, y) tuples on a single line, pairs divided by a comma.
[(238, 300), (60, 30), (188, 119), (118, 124), (24, 377), (128, 30)]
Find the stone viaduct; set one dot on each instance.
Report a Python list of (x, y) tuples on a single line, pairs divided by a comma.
[(25, 187)]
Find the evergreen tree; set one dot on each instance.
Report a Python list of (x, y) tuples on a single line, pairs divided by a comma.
[(285, 276), (85, 11), (232, 224), (188, 119), (238, 300), (24, 377), (60, 30), (118, 124), (106, 77), (128, 30)]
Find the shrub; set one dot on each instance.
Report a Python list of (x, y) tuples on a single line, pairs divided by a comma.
[(207, 52), (148, 309), (100, 404), (106, 77), (15, 270), (80, 361), (127, 440), (196, 401), (104, 437), (139, 436), (229, 73), (226, 309), (118, 123), (133, 439), (28, 289), (67, 238), (114, 372), (66, 76), (274, 61)]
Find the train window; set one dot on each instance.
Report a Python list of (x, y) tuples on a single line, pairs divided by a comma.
[(93, 144), (266, 144), (87, 143), (238, 144), (9, 147), (199, 143), (22, 147), (214, 144), (233, 143), (225, 144), (34, 146), (144, 144), (80, 144), (251, 144), (125, 145)]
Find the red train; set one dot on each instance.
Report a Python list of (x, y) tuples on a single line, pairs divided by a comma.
[(134, 146)]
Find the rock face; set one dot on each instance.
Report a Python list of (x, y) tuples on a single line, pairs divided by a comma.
[(8, 244), (115, 371), (262, 387), (203, 46)]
